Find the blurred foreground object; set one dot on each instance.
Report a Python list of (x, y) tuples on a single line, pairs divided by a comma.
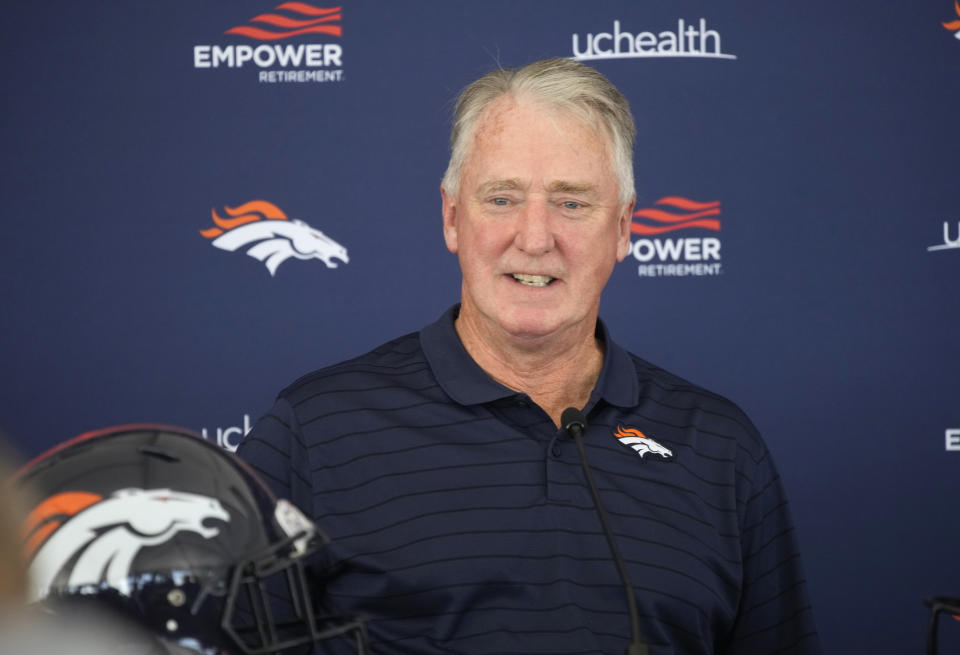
[(169, 532), (13, 575), (939, 605)]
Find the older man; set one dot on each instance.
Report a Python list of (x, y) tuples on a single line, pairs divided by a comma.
[(460, 517)]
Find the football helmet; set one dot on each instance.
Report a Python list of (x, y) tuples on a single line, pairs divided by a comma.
[(178, 536)]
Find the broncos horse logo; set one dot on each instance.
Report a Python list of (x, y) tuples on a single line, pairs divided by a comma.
[(274, 238), (954, 26), (641, 442), (94, 540)]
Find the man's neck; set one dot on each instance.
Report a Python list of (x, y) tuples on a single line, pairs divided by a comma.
[(556, 372)]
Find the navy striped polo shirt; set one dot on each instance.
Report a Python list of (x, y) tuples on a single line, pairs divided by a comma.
[(461, 521)]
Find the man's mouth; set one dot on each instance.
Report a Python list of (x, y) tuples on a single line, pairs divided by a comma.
[(532, 280)]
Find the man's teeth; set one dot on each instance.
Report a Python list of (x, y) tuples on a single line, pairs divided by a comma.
[(533, 280)]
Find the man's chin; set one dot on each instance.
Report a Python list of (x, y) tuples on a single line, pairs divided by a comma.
[(534, 326), (525, 325)]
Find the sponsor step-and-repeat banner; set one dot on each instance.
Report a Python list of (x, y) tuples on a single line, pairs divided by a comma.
[(207, 200), (275, 62)]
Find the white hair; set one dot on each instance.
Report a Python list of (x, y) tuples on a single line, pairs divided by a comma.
[(564, 85)]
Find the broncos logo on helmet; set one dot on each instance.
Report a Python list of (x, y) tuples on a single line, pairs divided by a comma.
[(159, 527), (274, 238), (99, 538)]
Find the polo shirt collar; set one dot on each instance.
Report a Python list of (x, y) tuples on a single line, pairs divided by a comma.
[(617, 384), (466, 383)]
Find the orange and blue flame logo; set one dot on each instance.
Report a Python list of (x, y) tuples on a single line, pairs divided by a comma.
[(676, 213), (292, 19)]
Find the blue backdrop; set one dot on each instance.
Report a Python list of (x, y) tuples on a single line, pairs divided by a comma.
[(796, 247)]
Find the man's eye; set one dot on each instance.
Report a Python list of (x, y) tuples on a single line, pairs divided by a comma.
[(571, 204), (501, 202)]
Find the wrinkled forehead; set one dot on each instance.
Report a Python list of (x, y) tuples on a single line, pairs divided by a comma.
[(495, 117), (509, 112)]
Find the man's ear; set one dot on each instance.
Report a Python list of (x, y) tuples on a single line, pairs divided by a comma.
[(449, 209), (625, 220)]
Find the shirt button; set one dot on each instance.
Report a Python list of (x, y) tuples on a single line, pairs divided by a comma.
[(521, 401), (555, 450)]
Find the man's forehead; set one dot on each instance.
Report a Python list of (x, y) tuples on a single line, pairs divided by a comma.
[(518, 184), (505, 151), (510, 112)]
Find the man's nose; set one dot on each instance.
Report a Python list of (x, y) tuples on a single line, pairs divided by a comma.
[(534, 228)]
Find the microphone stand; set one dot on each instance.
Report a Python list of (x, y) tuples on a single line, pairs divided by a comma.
[(574, 423)]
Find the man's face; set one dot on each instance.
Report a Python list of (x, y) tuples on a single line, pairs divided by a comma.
[(536, 222)]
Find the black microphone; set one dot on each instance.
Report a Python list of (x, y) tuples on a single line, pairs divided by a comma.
[(574, 424)]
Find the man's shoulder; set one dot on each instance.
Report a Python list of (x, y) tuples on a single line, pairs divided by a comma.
[(660, 380), (677, 394), (395, 359)]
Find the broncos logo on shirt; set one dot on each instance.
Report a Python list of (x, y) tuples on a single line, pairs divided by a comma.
[(273, 238), (94, 540), (641, 442)]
